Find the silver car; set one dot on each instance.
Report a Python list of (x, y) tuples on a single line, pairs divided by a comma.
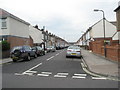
[(74, 51)]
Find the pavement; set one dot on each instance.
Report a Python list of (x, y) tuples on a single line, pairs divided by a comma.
[(5, 60), (98, 65), (94, 64)]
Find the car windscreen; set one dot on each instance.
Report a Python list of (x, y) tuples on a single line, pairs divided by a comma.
[(16, 48), (73, 47)]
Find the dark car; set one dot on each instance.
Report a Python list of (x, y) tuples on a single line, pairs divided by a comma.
[(22, 52), (38, 50)]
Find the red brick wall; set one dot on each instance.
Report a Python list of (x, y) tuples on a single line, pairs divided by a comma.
[(17, 41), (112, 52)]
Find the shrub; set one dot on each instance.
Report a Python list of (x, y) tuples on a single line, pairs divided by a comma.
[(5, 45)]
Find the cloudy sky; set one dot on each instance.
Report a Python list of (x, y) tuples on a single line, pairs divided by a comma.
[(65, 18)]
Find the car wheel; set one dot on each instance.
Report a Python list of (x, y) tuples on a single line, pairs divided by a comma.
[(35, 56), (66, 56), (28, 58), (14, 60)]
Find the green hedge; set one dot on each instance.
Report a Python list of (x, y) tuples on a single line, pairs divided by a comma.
[(4, 45)]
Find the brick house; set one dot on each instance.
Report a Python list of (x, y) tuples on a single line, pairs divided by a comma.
[(13, 29)]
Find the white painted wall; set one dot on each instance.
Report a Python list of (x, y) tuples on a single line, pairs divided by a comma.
[(18, 28), (115, 36), (98, 32), (35, 34)]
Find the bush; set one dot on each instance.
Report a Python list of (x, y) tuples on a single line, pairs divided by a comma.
[(5, 45)]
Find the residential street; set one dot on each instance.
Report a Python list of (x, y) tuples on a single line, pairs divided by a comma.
[(52, 70)]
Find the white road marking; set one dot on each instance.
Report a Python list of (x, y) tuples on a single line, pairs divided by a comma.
[(62, 73), (57, 54), (50, 58), (99, 78), (46, 75), (25, 73), (31, 71), (78, 77), (80, 74), (59, 76), (18, 74), (34, 67)]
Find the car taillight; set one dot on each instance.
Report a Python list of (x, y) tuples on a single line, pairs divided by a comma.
[(69, 50), (78, 51)]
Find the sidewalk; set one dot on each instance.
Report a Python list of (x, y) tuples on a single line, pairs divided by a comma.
[(5, 60), (99, 64)]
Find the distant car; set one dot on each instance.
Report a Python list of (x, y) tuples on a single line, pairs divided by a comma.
[(52, 48), (74, 51), (38, 50), (22, 52), (48, 49)]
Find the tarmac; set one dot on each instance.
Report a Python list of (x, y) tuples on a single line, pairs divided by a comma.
[(93, 64)]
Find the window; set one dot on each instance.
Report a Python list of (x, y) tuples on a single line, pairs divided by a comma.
[(3, 23)]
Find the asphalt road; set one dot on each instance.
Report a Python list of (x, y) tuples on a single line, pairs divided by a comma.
[(52, 70)]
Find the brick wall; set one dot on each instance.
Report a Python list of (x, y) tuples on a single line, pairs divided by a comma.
[(17, 41), (112, 51)]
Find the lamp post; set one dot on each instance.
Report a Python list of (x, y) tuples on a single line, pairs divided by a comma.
[(96, 10)]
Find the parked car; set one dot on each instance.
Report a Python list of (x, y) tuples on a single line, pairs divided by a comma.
[(74, 51), (48, 49), (22, 52), (38, 50), (52, 48)]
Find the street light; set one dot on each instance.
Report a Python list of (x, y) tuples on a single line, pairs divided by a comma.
[(96, 10)]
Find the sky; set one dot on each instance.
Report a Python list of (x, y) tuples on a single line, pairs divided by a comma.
[(68, 19)]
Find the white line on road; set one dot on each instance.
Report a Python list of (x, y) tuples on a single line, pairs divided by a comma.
[(99, 78), (31, 71), (78, 77), (50, 58), (46, 75), (62, 73), (59, 76), (18, 74), (80, 74), (26, 73), (34, 67), (57, 54)]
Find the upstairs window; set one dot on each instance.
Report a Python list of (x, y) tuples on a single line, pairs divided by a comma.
[(3, 23)]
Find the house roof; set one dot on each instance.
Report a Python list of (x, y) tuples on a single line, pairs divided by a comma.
[(118, 8), (5, 14), (114, 23), (35, 34)]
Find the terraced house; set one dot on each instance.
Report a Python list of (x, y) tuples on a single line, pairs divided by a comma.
[(13, 29)]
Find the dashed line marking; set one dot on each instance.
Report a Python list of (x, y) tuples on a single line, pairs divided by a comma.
[(62, 73), (80, 74), (46, 75), (57, 54), (50, 58), (19, 74), (103, 78), (46, 72), (59, 76), (31, 71), (34, 67), (78, 77)]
